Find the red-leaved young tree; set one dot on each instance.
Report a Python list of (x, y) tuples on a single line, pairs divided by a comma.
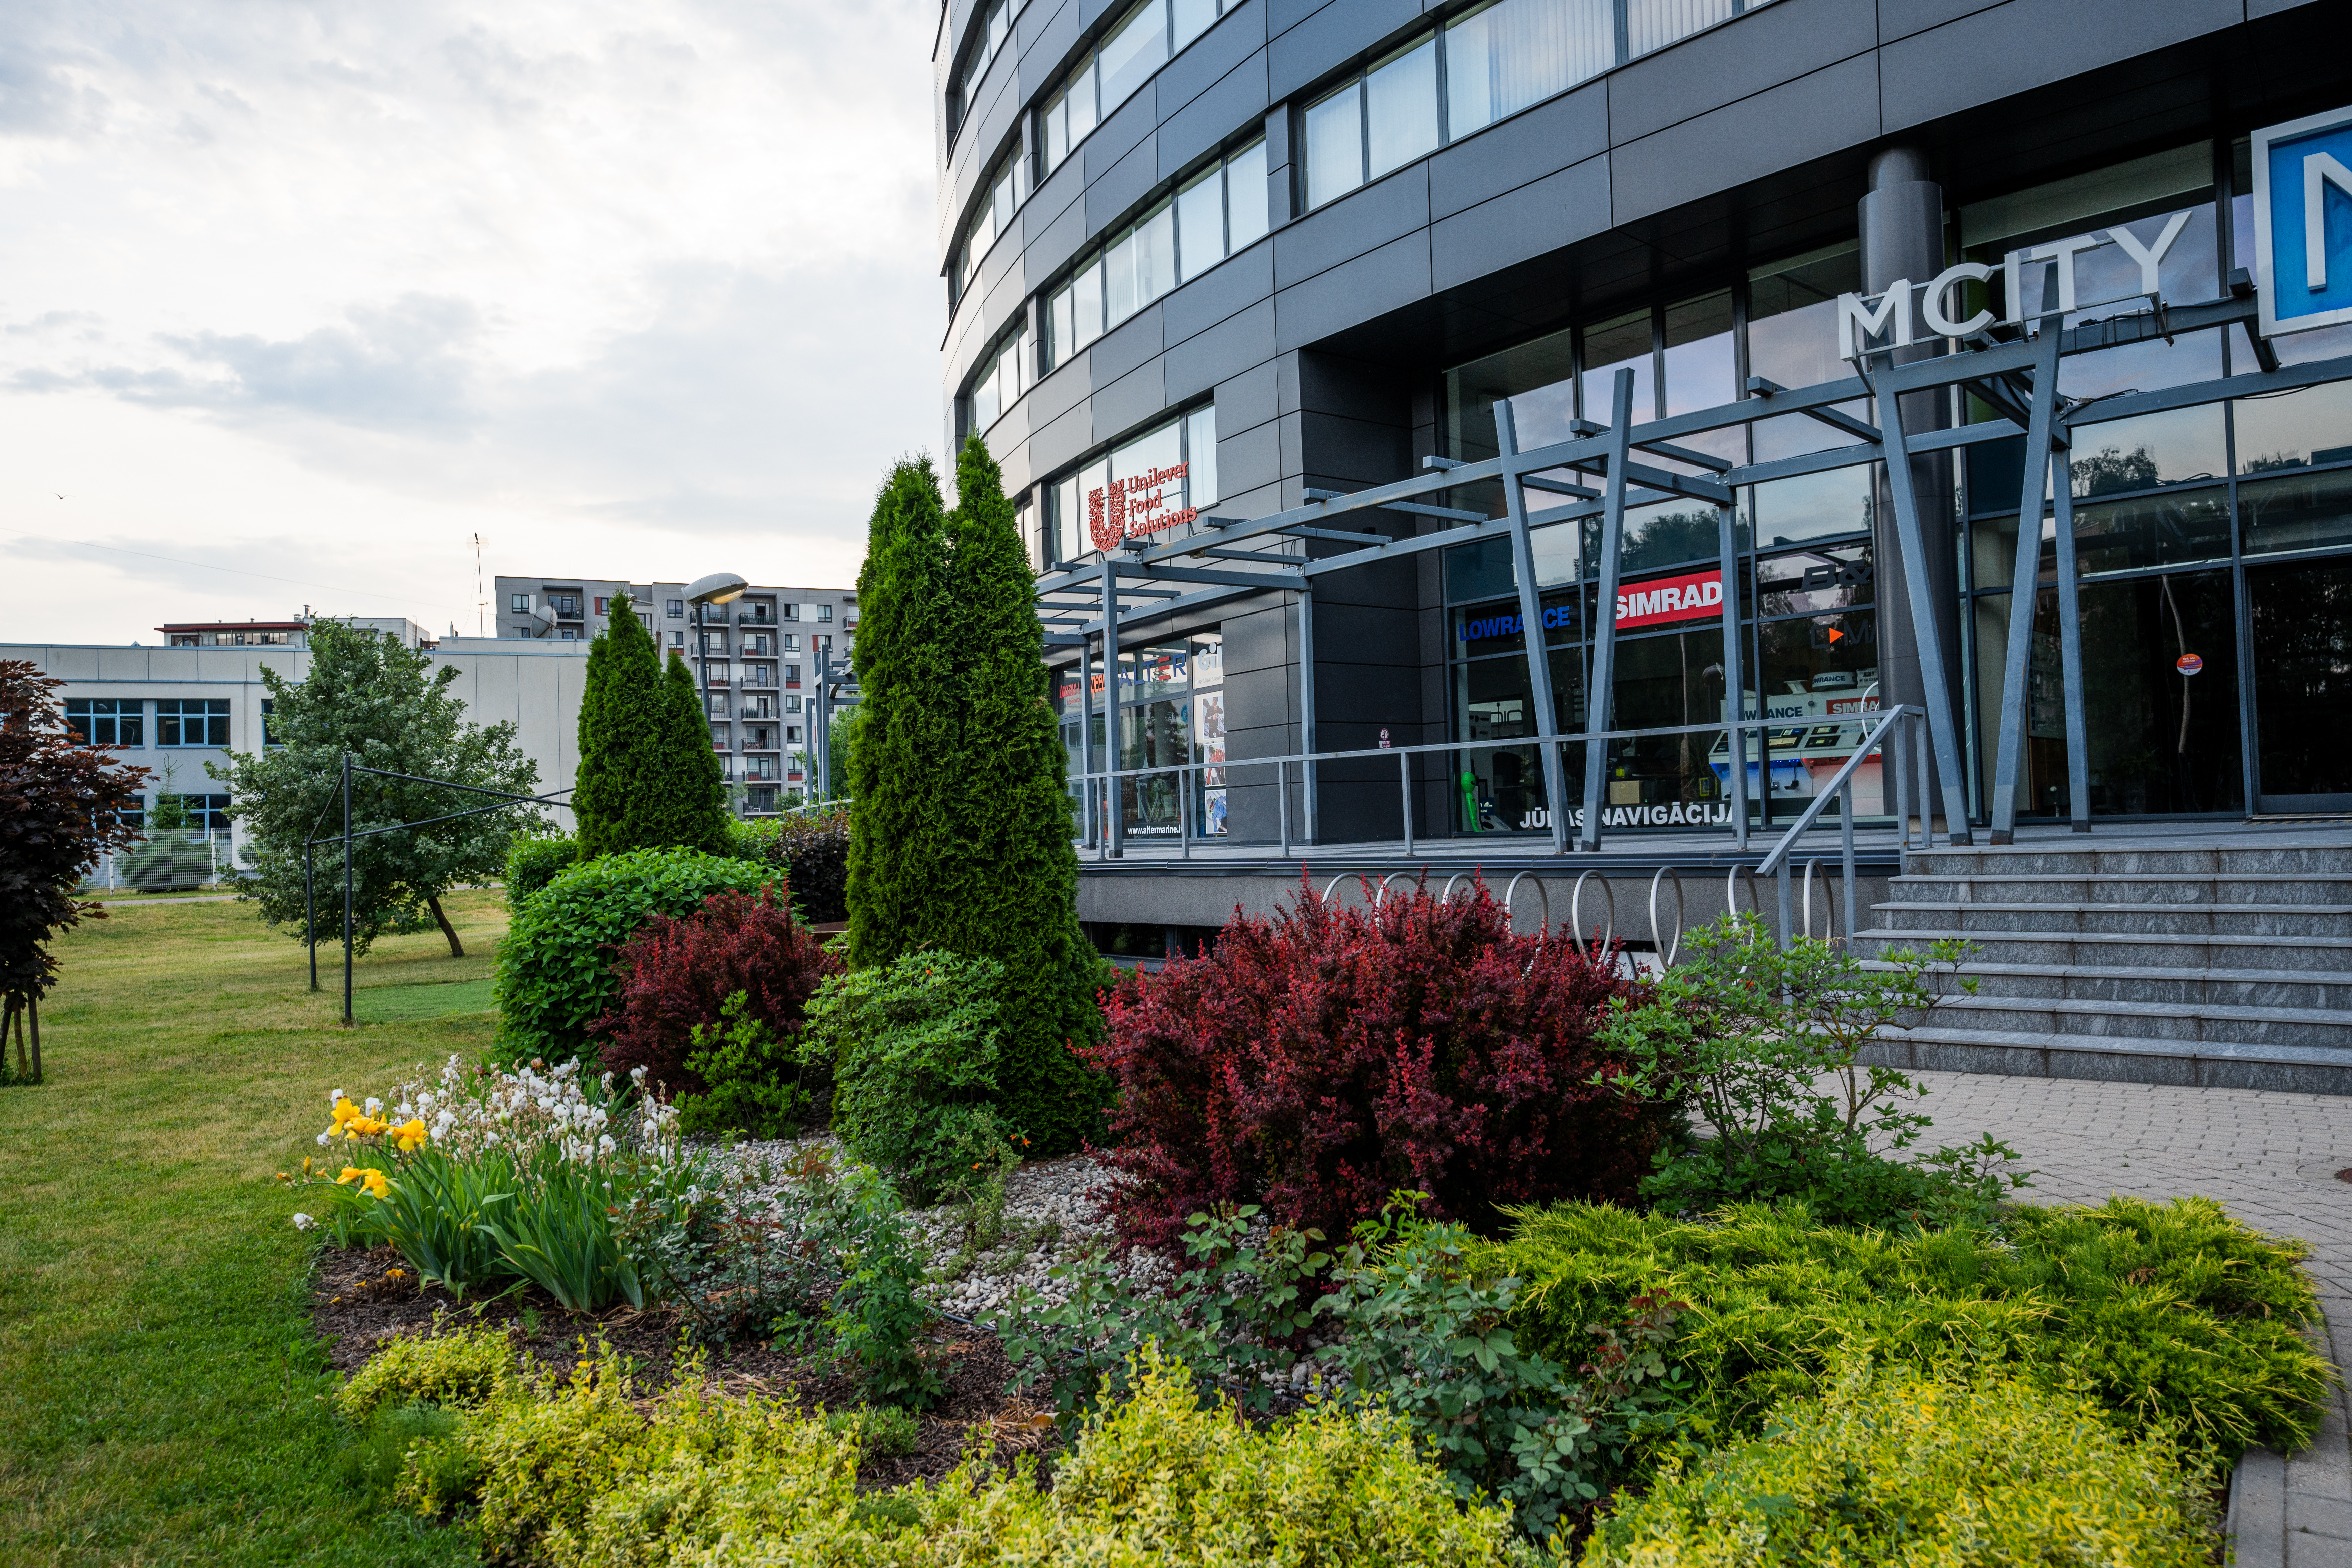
[(1320, 1060), (61, 806), (675, 973)]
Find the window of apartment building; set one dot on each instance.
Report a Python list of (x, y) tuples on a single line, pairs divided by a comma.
[(792, 704), (192, 722), (565, 604), (116, 721), (792, 734), (1491, 63), (678, 609), (603, 604), (791, 673), (205, 814), (1134, 47), (518, 603), (678, 639), (268, 735), (718, 701), (1186, 445), (791, 642), (820, 645), (824, 612), (1213, 214), (1006, 372)]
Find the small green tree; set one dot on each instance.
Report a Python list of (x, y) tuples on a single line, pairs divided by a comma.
[(387, 707), (840, 745), (645, 781)]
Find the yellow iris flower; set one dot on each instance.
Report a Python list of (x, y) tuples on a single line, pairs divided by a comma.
[(377, 1187), (410, 1135)]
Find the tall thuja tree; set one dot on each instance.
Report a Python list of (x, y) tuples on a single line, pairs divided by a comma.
[(1010, 872), (906, 674), (643, 783), (700, 794)]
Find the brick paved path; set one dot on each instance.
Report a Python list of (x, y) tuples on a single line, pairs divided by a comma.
[(2271, 1159)]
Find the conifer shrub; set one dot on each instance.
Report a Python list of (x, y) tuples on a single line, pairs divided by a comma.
[(555, 969), (1317, 1061), (1901, 1467), (647, 778), (676, 974), (2169, 1315)]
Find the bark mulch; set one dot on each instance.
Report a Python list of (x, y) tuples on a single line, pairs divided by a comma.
[(365, 1296)]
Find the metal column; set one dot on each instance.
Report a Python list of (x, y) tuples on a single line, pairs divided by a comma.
[(2070, 634), (1313, 808), (1941, 730), (347, 887), (1114, 809), (1604, 631), (1085, 741), (310, 907), (2009, 756), (1523, 565), (1733, 696)]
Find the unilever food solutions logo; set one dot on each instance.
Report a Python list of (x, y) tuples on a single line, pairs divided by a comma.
[(2303, 222), (1133, 507)]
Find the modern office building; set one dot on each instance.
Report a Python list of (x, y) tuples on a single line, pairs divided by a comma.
[(758, 659), (1217, 268)]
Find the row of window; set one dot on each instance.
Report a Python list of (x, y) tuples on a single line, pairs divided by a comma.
[(1479, 68), (562, 604), (1182, 453), (991, 31), (198, 813), (1143, 40), (120, 723)]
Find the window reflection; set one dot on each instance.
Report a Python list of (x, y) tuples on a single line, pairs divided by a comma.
[(2182, 445)]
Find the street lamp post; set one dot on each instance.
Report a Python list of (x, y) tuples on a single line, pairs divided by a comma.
[(719, 588)]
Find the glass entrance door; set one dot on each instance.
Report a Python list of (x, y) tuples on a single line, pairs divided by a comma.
[(2302, 630)]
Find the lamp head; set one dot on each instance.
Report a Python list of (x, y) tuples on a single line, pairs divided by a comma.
[(719, 588)]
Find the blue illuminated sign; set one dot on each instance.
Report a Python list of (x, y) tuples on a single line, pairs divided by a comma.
[(2303, 222)]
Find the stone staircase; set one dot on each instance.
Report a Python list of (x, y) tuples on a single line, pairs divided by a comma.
[(2221, 962)]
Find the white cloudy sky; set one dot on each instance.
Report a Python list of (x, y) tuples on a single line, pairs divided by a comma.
[(316, 291)]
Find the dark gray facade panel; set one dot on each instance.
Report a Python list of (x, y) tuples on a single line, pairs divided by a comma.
[(1256, 640), (1525, 222), (1223, 351), (1281, 15), (2275, 7), (1226, 289), (2028, 44), (1131, 343), (1785, 40), (1047, 34), (1251, 503), (1334, 383), (1211, 57), (1129, 126), (1357, 223), (1331, 35), (1234, 105), (1291, 431), (1244, 403), (1248, 459), (1901, 18), (1061, 442), (1521, 150), (1060, 236), (1799, 120), (1065, 389), (1120, 186), (1259, 692), (1396, 274), (1355, 453), (1132, 402), (1277, 149)]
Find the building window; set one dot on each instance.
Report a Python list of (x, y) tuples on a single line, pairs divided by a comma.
[(1119, 487), (268, 735), (564, 605), (206, 814), (518, 603), (1142, 41), (991, 30), (1493, 62), (791, 704), (1214, 214), (792, 734), (678, 639), (824, 612), (1004, 374), (789, 612), (791, 671), (569, 634), (791, 642), (192, 722), (116, 721), (820, 645), (678, 609)]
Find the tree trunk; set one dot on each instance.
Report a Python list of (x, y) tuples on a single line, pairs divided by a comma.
[(33, 1005), (457, 948)]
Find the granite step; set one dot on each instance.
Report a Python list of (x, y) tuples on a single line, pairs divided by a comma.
[(2259, 919), (2303, 1069), (2297, 889), (2232, 861), (2321, 989), (2188, 1022), (2167, 950)]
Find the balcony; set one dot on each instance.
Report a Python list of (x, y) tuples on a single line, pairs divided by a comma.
[(757, 616)]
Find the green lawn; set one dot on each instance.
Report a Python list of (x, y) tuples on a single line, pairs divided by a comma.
[(159, 1385)]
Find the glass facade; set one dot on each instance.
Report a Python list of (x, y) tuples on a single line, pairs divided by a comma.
[(1172, 712)]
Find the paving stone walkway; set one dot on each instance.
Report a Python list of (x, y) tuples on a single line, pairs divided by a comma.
[(2270, 1158)]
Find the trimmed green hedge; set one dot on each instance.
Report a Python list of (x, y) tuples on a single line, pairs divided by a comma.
[(1907, 1469), (2166, 1313), (555, 967)]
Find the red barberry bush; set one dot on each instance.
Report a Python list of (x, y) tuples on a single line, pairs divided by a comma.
[(1317, 1061), (677, 972)]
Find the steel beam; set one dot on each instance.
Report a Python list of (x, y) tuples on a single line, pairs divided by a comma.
[(1733, 697), (1114, 807), (1314, 809), (1936, 689), (1603, 671), (2009, 759), (2070, 637), (1523, 565)]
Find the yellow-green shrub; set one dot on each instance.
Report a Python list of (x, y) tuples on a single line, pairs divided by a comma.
[(575, 1475), (2169, 1314), (1905, 1469), (445, 1366)]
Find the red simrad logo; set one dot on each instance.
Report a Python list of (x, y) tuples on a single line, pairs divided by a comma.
[(1134, 507), (1664, 599)]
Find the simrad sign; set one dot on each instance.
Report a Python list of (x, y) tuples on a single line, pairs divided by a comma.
[(1133, 507), (2303, 222), (1893, 317)]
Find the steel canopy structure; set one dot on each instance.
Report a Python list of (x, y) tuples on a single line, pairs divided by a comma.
[(1602, 471)]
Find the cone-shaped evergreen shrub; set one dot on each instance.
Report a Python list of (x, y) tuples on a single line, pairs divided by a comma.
[(961, 836), (644, 782)]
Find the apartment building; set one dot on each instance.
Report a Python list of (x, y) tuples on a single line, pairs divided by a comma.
[(757, 660)]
